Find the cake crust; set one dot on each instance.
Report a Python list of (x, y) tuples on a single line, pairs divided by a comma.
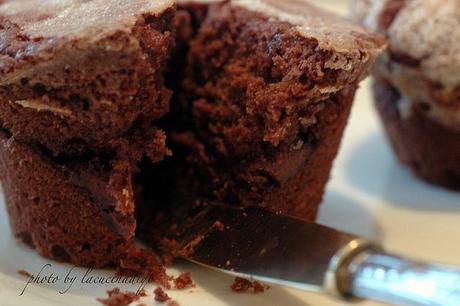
[(34, 28), (332, 32), (88, 21)]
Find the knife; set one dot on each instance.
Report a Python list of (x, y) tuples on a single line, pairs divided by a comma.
[(274, 248)]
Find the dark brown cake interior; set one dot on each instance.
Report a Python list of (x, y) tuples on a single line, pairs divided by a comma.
[(251, 125), (250, 97)]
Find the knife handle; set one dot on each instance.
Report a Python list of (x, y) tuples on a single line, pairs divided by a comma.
[(397, 281)]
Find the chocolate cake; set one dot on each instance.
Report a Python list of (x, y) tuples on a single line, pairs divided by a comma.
[(417, 83), (117, 114)]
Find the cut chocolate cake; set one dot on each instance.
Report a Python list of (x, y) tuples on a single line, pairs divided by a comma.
[(261, 94)]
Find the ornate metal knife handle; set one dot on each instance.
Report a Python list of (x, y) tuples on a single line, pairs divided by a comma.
[(391, 279)]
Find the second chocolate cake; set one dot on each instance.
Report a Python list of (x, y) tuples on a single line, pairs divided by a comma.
[(261, 95), (417, 83)]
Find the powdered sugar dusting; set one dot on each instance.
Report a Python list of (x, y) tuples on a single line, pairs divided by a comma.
[(429, 30), (426, 30), (89, 18), (333, 32)]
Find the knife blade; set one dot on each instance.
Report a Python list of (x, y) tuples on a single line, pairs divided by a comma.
[(274, 248)]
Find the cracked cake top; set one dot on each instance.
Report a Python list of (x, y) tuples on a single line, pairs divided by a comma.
[(331, 31), (76, 19), (33, 31), (350, 42)]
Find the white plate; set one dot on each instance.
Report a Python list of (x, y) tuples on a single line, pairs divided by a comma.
[(369, 194)]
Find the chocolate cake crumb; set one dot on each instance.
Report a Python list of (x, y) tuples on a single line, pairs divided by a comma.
[(24, 273), (160, 295), (242, 285), (118, 298), (219, 226), (172, 303), (183, 281), (258, 287), (190, 247), (142, 262)]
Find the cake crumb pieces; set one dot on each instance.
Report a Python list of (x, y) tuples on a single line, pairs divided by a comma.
[(160, 295), (259, 288), (168, 247), (141, 262), (219, 226), (118, 298), (24, 273), (183, 281), (172, 303), (242, 285)]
